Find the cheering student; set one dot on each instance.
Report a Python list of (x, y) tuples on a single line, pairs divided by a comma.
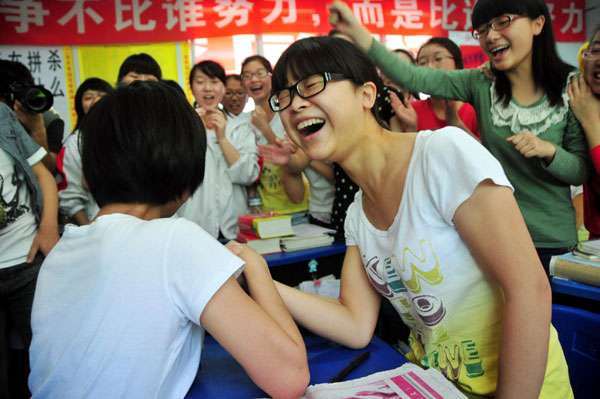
[(523, 114)]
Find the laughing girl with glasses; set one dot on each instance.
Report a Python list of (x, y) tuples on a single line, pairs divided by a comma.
[(523, 114), (450, 251)]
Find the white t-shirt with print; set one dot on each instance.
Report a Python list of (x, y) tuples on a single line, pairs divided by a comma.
[(424, 268), (18, 226), (117, 308)]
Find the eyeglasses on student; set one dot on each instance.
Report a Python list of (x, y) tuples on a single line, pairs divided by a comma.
[(591, 54), (497, 24), (259, 73), (306, 87)]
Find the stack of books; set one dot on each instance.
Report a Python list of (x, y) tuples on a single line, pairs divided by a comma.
[(582, 265), (307, 236), (263, 232)]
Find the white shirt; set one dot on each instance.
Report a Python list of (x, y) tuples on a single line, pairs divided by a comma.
[(322, 191), (422, 265), (74, 197), (222, 196), (18, 227), (117, 308)]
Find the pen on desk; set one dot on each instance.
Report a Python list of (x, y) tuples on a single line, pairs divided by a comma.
[(353, 364)]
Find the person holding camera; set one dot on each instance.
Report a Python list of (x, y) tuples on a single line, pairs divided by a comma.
[(28, 231), (31, 104)]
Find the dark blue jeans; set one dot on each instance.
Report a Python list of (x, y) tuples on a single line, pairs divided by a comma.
[(17, 286)]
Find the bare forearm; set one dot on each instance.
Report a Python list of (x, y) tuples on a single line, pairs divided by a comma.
[(49, 216), (525, 335), (298, 162), (326, 317), (229, 151), (293, 184), (262, 289)]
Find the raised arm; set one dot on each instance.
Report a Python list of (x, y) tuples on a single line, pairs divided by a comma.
[(505, 250), (34, 124), (257, 330), (456, 85), (349, 320)]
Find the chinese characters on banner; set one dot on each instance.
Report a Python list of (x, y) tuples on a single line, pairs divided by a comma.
[(69, 22), (51, 67)]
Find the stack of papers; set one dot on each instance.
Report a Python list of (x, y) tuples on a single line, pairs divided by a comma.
[(590, 248), (406, 382), (307, 236)]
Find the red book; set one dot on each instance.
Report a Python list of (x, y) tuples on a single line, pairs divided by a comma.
[(266, 225)]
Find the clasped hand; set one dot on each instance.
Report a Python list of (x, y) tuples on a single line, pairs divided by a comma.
[(530, 145)]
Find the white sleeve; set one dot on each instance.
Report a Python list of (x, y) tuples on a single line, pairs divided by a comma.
[(352, 219), (245, 170), (73, 198), (196, 266), (454, 165)]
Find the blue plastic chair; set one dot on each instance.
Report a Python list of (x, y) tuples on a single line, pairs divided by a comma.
[(579, 334)]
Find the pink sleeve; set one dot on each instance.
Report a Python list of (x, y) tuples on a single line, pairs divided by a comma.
[(595, 153)]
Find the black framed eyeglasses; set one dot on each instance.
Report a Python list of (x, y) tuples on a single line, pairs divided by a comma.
[(591, 54), (305, 87), (497, 24)]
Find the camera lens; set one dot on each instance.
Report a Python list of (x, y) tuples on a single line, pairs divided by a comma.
[(36, 99)]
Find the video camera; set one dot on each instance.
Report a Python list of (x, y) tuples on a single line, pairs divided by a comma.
[(35, 98)]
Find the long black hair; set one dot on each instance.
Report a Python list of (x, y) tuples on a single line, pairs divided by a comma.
[(326, 54), (550, 72)]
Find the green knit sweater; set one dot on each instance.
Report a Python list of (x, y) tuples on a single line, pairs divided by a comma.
[(542, 190)]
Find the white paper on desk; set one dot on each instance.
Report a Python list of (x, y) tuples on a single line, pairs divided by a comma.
[(328, 288), (406, 382), (309, 230)]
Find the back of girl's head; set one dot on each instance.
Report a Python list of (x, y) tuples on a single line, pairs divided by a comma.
[(209, 68), (140, 63), (449, 45), (549, 70), (265, 62), (88, 84), (142, 143), (407, 53), (325, 54)]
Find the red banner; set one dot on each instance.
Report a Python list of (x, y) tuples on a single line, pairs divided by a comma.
[(69, 22)]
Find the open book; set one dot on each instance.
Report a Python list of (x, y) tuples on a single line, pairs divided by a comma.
[(406, 382)]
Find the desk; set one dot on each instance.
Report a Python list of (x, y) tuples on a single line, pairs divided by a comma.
[(220, 376), (574, 288), (284, 258)]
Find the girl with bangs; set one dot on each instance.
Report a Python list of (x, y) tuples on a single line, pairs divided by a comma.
[(231, 158), (74, 199), (523, 113), (478, 313)]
